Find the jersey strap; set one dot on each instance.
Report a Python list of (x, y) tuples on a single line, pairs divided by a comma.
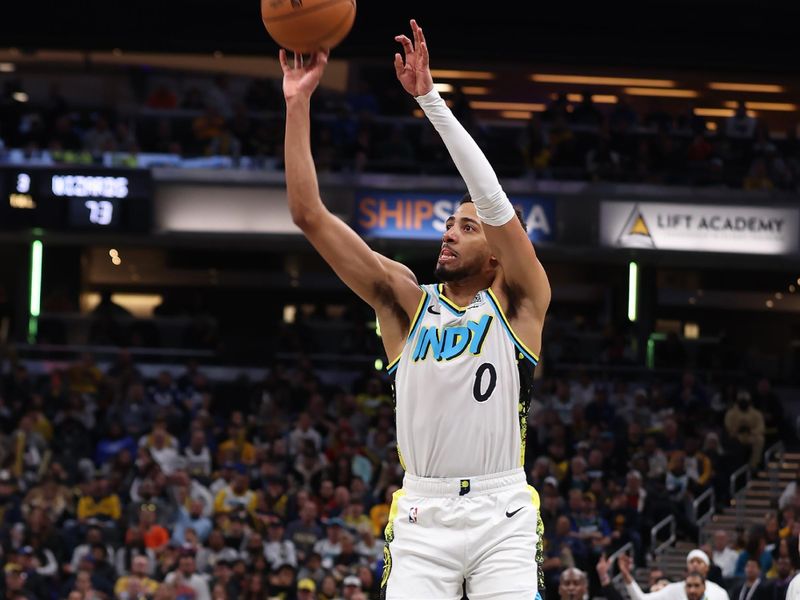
[(423, 302), (524, 350)]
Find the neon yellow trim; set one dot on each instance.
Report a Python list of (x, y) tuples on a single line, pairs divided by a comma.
[(448, 301), (388, 533), (400, 457), (534, 497), (416, 318), (505, 320)]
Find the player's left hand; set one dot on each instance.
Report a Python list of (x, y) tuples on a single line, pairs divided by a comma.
[(414, 72)]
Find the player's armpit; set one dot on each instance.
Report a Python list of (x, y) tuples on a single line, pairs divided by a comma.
[(522, 271)]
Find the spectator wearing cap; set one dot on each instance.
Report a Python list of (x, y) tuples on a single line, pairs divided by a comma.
[(305, 531), (192, 518), (350, 586), (187, 581), (744, 425), (330, 546), (277, 549), (138, 582), (237, 495), (306, 589)]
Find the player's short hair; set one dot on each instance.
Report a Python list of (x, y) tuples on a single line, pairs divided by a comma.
[(698, 575), (467, 199)]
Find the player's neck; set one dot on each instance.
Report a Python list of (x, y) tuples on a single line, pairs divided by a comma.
[(463, 291)]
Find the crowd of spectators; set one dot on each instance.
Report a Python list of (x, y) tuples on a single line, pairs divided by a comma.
[(115, 486), (371, 128)]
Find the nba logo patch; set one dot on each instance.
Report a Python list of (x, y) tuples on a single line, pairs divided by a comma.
[(412, 514)]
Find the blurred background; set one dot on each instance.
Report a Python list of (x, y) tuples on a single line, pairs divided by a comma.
[(192, 405)]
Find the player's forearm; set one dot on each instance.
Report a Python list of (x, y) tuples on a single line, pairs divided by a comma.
[(301, 176), (484, 188)]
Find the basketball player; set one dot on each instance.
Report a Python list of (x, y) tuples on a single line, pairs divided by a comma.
[(463, 357)]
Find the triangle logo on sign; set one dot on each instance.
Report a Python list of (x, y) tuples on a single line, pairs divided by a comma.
[(635, 233)]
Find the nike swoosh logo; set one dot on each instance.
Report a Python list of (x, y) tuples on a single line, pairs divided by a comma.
[(432, 311), (511, 514)]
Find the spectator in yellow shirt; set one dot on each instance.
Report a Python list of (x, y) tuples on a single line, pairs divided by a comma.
[(237, 495), (98, 503), (137, 583), (236, 448)]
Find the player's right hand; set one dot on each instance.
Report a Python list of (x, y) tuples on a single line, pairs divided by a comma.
[(300, 80)]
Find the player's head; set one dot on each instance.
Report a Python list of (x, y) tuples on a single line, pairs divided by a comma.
[(465, 251), (695, 585), (572, 585)]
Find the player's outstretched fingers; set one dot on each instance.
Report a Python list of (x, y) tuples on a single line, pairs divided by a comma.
[(284, 63), (408, 47)]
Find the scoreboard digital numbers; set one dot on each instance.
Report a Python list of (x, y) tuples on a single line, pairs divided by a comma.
[(76, 199)]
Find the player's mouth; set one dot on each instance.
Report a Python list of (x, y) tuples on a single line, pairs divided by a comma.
[(446, 255)]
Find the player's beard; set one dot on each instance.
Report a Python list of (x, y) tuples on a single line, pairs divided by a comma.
[(444, 274)]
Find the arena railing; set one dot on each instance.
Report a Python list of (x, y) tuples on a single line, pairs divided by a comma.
[(737, 492), (773, 457), (657, 547), (701, 519), (612, 559)]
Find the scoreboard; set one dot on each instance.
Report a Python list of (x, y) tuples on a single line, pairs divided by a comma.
[(79, 199)]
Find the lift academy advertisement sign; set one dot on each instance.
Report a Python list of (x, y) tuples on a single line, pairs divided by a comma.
[(700, 228)]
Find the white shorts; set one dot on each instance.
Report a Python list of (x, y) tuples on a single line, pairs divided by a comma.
[(442, 532)]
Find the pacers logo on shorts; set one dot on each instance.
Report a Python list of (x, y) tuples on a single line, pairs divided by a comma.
[(464, 487)]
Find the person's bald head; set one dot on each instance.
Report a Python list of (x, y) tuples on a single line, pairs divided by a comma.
[(572, 584)]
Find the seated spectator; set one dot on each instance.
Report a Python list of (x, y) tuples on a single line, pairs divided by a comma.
[(724, 556), (236, 496), (187, 581), (754, 586), (134, 548), (194, 519), (155, 536), (744, 425), (99, 503), (137, 583)]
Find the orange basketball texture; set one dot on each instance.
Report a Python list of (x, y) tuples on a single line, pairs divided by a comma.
[(308, 25)]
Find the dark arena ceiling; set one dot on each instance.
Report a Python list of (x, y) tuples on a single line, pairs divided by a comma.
[(720, 35)]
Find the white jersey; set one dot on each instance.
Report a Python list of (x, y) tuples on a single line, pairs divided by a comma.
[(462, 389)]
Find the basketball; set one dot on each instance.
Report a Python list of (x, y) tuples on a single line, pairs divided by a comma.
[(307, 25)]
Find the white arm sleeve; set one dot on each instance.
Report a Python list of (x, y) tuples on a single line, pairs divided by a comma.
[(490, 200)]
